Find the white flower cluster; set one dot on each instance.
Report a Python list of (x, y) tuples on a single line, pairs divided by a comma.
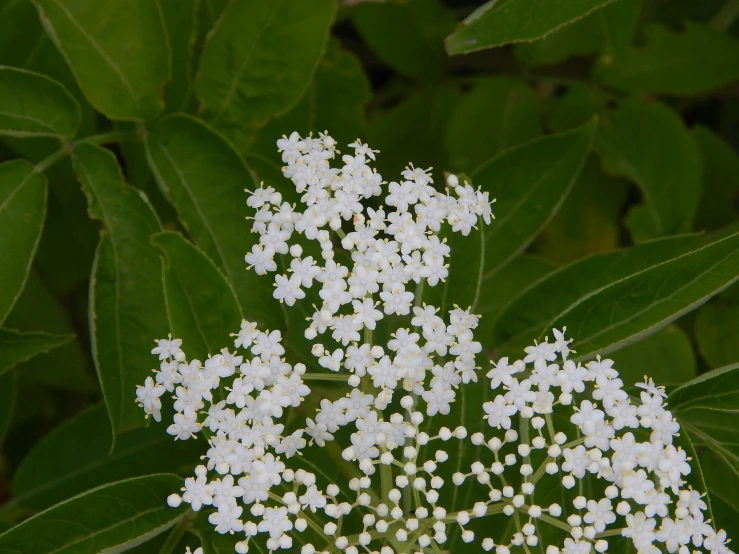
[(565, 453)]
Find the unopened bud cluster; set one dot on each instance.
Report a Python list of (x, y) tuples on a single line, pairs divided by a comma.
[(566, 460)]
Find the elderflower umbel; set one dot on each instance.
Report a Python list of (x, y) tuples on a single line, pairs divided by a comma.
[(562, 446)]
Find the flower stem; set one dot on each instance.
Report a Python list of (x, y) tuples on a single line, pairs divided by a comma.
[(177, 532)]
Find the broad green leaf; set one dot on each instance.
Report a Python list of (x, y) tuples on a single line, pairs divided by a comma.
[(34, 105), (66, 367), (463, 286), (499, 112), (18, 346), (20, 30), (205, 178), (641, 304), (498, 289), (22, 209), (698, 59), (667, 357), (589, 220), (715, 332), (335, 102), (575, 106), (581, 38), (649, 144), (202, 308), (563, 289), (259, 61), (529, 183), (608, 31), (117, 516), (707, 407), (76, 456), (8, 388), (406, 36), (722, 483), (413, 131), (181, 20), (498, 23), (720, 181), (127, 311), (117, 50)]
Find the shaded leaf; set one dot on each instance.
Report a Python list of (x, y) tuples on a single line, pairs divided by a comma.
[(499, 112), (8, 388), (707, 407), (498, 23), (20, 31), (35, 105), (22, 210), (117, 50), (715, 332), (535, 306), (202, 308), (181, 21), (409, 36), (205, 178), (127, 310), (581, 38), (335, 102), (18, 346), (575, 106), (258, 62), (648, 144), (696, 60), (667, 356), (589, 220), (643, 303), (413, 130), (721, 482), (76, 456), (529, 183), (66, 367), (720, 180), (119, 515)]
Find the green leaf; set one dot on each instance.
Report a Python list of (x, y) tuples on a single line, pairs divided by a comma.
[(22, 210), (499, 112), (258, 62), (76, 456), (406, 36), (202, 308), (17, 346), (205, 178), (413, 130), (335, 102), (521, 321), (127, 310), (641, 304), (117, 516), (667, 356), (20, 30), (497, 23), (720, 181), (589, 220), (693, 61), (181, 20), (575, 106), (67, 367), (34, 105), (581, 38), (715, 332), (8, 389), (707, 407), (530, 182), (117, 50), (649, 144), (722, 483)]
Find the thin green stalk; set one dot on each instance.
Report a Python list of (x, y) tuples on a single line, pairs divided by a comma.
[(177, 532), (68, 148)]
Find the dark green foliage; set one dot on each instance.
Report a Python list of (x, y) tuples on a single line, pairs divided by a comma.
[(129, 129)]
